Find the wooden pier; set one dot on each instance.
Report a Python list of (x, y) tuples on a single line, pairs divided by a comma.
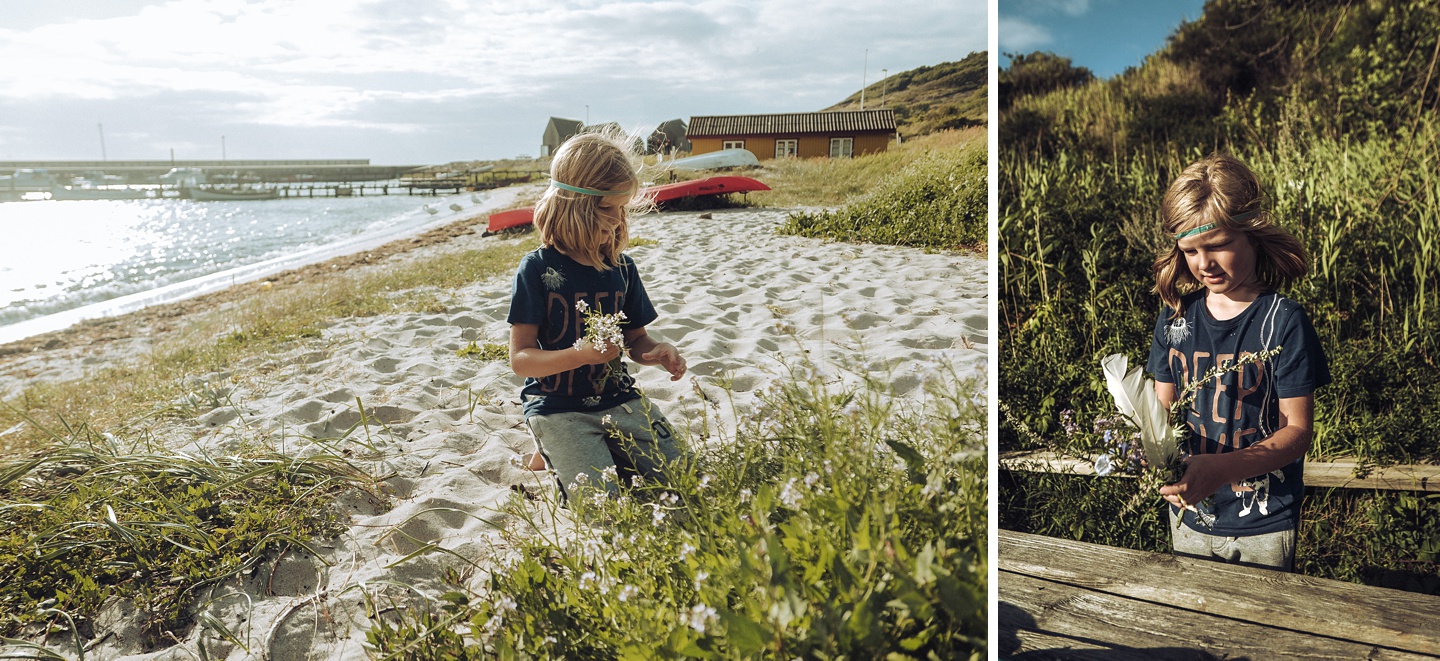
[(1062, 599)]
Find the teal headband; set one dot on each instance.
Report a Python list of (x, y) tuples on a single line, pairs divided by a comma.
[(1210, 226), (586, 191)]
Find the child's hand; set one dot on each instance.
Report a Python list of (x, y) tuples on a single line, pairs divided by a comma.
[(668, 357), (593, 356), (1203, 477)]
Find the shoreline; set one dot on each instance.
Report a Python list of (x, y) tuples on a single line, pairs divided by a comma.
[(159, 317)]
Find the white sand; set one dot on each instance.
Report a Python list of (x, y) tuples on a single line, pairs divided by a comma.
[(725, 288)]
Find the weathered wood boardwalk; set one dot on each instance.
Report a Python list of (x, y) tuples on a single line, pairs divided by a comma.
[(1061, 599), (1341, 474)]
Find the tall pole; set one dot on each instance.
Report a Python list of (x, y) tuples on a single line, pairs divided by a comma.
[(884, 85), (864, 74), (102, 142)]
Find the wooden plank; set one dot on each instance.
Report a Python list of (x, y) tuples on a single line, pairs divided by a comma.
[(1048, 619), (1408, 477), (1360, 613)]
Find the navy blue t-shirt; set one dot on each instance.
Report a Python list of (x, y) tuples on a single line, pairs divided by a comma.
[(547, 286), (1238, 410)]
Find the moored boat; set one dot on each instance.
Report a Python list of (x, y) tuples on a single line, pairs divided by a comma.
[(660, 194)]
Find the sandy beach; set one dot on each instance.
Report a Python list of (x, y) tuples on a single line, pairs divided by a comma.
[(737, 299)]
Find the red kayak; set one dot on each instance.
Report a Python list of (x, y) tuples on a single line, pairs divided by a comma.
[(664, 193)]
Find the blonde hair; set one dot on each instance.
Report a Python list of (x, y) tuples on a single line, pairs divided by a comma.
[(1216, 189), (568, 220)]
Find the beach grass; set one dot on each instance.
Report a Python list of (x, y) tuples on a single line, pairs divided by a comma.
[(839, 522), (91, 518), (939, 200)]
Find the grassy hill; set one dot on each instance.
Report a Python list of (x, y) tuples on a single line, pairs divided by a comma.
[(950, 95)]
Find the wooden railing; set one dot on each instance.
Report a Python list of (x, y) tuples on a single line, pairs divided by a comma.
[(1410, 477), (1073, 600)]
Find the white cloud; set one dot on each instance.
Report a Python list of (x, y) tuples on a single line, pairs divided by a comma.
[(1018, 35), (319, 63)]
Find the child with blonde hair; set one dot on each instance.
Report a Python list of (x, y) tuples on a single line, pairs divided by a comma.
[(1239, 499), (580, 402)]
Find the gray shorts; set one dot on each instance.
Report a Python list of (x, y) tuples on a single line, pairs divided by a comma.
[(633, 438), (1274, 550)]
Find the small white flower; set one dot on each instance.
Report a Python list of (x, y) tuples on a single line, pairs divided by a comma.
[(657, 513), (745, 495), (607, 419), (701, 616), (789, 495), (609, 474), (811, 478), (581, 305), (637, 481), (626, 591), (1104, 465), (700, 577), (704, 482), (685, 550)]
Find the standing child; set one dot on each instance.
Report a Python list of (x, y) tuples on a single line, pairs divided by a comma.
[(1249, 429), (580, 402)]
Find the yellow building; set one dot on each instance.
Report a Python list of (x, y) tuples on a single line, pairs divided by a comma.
[(836, 134)]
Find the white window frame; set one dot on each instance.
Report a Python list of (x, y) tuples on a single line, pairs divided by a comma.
[(786, 148), (842, 147), (732, 144)]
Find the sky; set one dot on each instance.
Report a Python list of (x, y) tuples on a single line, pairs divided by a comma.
[(431, 81), (1104, 36)]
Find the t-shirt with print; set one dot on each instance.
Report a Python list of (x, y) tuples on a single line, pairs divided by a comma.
[(1237, 410), (547, 286)]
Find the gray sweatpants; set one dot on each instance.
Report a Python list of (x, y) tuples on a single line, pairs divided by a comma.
[(1274, 550), (634, 438)]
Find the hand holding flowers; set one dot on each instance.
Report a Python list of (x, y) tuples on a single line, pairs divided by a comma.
[(603, 338)]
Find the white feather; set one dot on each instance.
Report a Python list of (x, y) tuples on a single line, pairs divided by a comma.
[(1135, 399)]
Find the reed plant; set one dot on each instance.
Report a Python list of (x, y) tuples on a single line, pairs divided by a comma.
[(838, 522)]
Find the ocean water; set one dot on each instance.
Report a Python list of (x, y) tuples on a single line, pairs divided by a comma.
[(65, 260)]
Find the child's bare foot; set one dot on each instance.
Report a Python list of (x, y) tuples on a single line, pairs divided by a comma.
[(533, 461)]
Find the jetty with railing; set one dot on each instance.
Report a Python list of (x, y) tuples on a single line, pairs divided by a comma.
[(234, 180)]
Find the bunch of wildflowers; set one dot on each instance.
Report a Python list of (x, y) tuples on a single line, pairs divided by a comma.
[(602, 331)]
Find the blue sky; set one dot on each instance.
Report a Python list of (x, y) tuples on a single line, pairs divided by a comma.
[(431, 81), (1105, 36)]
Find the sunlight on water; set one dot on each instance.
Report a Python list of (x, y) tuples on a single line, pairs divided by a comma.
[(59, 255)]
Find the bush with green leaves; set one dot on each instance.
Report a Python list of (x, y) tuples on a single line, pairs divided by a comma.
[(838, 523)]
